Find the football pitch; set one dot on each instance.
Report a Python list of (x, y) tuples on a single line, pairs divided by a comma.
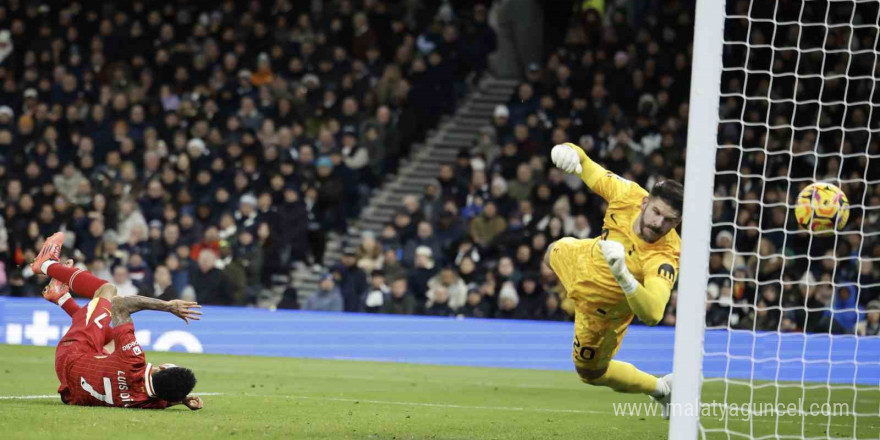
[(332, 399)]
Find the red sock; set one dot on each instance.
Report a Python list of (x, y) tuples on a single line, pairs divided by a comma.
[(70, 306), (86, 283)]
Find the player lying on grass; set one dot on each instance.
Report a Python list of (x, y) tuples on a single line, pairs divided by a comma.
[(98, 361), (629, 270)]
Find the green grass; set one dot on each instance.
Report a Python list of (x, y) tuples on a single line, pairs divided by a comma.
[(315, 399), (806, 411)]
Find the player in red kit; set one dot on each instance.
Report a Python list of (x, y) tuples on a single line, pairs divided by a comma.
[(118, 374)]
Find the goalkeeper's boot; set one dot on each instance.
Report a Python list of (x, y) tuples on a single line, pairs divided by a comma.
[(51, 251), (666, 382), (56, 289)]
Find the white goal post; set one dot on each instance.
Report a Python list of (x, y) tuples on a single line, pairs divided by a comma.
[(696, 218)]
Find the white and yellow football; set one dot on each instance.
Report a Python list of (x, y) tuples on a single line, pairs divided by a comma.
[(822, 208)]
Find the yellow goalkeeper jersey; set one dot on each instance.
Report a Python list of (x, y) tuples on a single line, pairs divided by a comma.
[(583, 271)]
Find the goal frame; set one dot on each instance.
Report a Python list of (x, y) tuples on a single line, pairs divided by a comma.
[(702, 142)]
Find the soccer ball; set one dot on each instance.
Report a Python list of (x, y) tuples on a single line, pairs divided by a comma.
[(821, 208)]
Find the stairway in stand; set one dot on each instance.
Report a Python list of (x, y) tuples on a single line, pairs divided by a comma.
[(422, 167)]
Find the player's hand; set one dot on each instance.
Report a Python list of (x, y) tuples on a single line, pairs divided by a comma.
[(615, 256), (566, 159), (193, 402), (185, 310)]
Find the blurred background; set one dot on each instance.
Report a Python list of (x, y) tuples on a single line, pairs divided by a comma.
[(378, 156)]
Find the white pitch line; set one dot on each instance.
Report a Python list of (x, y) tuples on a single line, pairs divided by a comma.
[(432, 405), (498, 408), (452, 405), (429, 405), (378, 402)]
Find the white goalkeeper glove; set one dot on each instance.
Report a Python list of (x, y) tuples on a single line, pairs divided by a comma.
[(566, 159), (615, 256)]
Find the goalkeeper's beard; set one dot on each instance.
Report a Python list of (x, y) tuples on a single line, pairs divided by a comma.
[(649, 234)]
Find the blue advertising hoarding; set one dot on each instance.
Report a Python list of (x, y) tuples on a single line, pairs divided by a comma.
[(449, 341)]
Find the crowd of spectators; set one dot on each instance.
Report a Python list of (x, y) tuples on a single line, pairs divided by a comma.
[(472, 245), (207, 149), (784, 278), (203, 149)]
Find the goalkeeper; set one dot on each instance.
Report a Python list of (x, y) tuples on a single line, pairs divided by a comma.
[(629, 270)]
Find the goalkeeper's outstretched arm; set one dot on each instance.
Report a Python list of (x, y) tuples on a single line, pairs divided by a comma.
[(572, 159), (648, 301)]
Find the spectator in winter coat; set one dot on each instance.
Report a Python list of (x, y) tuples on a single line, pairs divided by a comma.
[(508, 300), (552, 311), (294, 234), (845, 309), (401, 301), (440, 305), (375, 150), (487, 225), (331, 192), (67, 183), (455, 288), (424, 269), (532, 298), (352, 281), (377, 294), (450, 228), (153, 202), (369, 254), (129, 217), (521, 187), (424, 237), (208, 282), (179, 273), (870, 326), (246, 216), (476, 306), (327, 298), (391, 265), (479, 39), (161, 287), (355, 157), (122, 281)]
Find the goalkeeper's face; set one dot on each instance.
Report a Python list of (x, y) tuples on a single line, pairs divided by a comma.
[(657, 219)]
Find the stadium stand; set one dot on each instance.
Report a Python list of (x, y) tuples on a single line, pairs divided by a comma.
[(208, 148), (618, 87), (362, 162)]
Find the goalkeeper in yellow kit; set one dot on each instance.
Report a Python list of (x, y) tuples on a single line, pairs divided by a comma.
[(629, 270)]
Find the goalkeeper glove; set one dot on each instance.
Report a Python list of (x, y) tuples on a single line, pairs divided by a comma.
[(566, 158), (615, 256)]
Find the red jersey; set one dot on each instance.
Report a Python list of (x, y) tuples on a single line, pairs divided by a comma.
[(91, 378)]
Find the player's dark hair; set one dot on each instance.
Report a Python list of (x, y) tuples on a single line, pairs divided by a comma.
[(174, 384), (670, 192)]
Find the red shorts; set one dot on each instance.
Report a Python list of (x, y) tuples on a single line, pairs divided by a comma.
[(86, 337)]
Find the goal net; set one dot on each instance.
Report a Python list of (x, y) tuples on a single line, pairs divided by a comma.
[(776, 335)]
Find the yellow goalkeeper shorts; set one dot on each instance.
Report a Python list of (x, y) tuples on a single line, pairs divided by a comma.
[(596, 337)]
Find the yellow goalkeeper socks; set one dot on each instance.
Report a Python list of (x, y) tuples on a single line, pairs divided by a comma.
[(624, 377)]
